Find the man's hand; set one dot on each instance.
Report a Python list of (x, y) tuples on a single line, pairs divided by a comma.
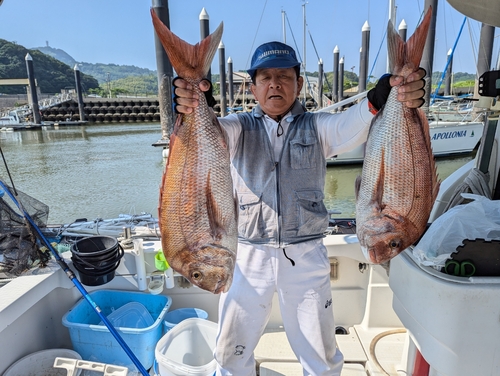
[(185, 97), (412, 92)]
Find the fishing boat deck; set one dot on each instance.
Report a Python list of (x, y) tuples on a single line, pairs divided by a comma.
[(275, 356), (362, 305)]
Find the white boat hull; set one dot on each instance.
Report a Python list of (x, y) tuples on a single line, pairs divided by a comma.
[(447, 139)]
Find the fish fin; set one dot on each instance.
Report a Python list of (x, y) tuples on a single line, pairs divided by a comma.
[(162, 184), (189, 61), (378, 192), (215, 213), (425, 125), (216, 124), (173, 137), (357, 186), (409, 53), (395, 49)]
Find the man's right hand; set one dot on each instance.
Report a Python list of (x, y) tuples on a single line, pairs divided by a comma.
[(186, 98)]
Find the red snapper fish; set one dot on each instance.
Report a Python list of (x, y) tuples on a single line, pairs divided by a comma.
[(198, 209), (398, 183)]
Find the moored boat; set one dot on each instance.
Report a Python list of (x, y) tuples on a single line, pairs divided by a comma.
[(448, 138)]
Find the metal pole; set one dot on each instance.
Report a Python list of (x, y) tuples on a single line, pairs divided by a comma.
[(447, 80), (341, 79), (79, 95), (485, 51), (320, 83), (222, 74), (363, 69), (361, 65), (230, 88), (402, 28), (335, 93), (165, 76), (32, 89), (283, 25), (428, 55), (392, 18), (205, 32), (304, 56)]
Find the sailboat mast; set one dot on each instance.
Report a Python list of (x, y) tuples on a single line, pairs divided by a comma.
[(304, 55), (283, 26), (392, 18)]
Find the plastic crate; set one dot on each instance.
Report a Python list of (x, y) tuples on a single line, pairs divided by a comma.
[(94, 342)]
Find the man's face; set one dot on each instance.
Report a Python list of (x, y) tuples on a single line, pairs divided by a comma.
[(276, 89)]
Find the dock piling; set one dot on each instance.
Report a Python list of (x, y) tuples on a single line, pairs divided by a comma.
[(33, 97), (78, 85)]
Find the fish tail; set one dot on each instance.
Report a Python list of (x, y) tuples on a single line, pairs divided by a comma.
[(189, 61), (409, 53)]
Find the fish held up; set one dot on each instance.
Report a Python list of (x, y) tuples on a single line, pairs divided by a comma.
[(398, 183), (198, 209)]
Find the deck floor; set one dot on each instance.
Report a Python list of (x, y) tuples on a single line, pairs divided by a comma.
[(275, 356)]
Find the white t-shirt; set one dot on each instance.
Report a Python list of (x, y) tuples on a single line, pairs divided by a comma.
[(338, 133)]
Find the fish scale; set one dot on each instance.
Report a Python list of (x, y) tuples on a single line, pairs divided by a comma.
[(398, 185), (197, 212)]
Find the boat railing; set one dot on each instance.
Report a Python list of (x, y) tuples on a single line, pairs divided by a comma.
[(337, 106), (468, 116), (43, 104), (316, 96)]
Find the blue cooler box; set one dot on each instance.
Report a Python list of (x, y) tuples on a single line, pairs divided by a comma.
[(94, 342)]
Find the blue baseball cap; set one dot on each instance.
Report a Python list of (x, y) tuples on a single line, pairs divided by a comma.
[(272, 55)]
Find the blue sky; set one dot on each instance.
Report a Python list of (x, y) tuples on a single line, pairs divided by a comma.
[(121, 32)]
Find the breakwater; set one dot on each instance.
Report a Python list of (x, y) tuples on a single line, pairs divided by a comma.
[(106, 110), (122, 110)]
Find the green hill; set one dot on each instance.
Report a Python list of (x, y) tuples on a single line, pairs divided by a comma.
[(54, 71), (102, 72), (51, 74)]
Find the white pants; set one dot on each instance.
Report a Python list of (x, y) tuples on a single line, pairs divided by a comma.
[(305, 302)]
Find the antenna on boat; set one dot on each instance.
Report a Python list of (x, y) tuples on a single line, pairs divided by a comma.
[(304, 55), (283, 26)]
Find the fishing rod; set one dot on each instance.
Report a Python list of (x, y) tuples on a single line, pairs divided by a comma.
[(75, 281)]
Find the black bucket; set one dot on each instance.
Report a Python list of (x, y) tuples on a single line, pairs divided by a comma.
[(96, 258)]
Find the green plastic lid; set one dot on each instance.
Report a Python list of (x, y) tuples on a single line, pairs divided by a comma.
[(160, 261)]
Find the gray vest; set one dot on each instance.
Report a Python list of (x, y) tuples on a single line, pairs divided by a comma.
[(280, 202)]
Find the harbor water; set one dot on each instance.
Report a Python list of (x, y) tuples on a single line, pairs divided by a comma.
[(102, 171)]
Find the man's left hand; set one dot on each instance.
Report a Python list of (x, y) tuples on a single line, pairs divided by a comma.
[(412, 92)]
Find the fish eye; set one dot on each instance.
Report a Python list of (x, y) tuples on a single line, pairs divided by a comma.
[(196, 275), (394, 244)]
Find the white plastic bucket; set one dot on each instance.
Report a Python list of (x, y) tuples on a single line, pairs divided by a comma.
[(172, 318), (41, 363), (187, 349)]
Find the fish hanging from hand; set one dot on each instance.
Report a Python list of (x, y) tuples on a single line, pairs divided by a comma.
[(398, 184), (198, 206)]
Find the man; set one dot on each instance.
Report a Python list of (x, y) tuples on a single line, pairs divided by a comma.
[(278, 164)]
